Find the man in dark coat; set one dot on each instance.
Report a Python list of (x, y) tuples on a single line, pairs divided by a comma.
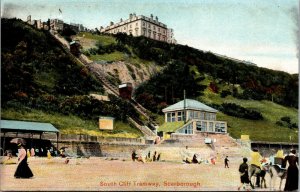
[(243, 169), (292, 171)]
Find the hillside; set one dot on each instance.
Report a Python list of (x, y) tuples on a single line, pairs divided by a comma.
[(205, 77), (39, 77), (262, 101)]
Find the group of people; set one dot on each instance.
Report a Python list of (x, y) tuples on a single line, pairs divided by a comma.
[(257, 160), (156, 157)]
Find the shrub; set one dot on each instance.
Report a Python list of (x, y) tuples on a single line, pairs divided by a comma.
[(225, 93), (213, 87), (239, 111), (279, 123), (286, 119)]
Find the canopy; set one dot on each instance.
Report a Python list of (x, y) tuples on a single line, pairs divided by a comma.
[(26, 126)]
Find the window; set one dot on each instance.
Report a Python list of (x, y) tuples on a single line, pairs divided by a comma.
[(204, 125), (196, 114), (211, 126), (130, 26), (213, 117), (191, 115), (202, 115), (144, 24), (201, 126), (179, 116), (188, 129), (220, 127), (168, 117), (136, 24), (158, 29), (173, 117)]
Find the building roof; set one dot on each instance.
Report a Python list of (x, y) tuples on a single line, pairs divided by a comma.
[(170, 126), (26, 126), (190, 104)]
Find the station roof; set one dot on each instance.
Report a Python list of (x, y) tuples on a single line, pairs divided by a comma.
[(190, 104), (26, 126), (171, 126)]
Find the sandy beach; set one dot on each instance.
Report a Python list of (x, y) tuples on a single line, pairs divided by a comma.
[(103, 174)]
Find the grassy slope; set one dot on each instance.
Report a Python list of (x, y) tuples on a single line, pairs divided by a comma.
[(71, 124), (114, 56), (264, 130)]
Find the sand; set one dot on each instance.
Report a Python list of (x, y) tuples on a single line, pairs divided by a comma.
[(96, 174)]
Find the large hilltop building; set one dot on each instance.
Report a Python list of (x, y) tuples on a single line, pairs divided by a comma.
[(141, 26), (55, 25)]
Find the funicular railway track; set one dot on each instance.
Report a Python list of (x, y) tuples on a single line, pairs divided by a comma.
[(114, 90)]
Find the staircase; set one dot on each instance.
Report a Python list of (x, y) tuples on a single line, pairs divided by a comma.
[(109, 87)]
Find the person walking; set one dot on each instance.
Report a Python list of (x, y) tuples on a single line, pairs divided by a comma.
[(244, 176), (22, 171), (291, 183), (154, 156), (226, 162), (133, 155)]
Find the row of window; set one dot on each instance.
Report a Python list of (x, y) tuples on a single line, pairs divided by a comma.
[(154, 27), (203, 126), (153, 35), (171, 117), (209, 127)]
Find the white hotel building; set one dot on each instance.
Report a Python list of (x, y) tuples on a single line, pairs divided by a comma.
[(141, 26)]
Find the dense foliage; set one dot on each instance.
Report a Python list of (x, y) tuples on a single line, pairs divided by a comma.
[(34, 64), (257, 83), (168, 87), (38, 74)]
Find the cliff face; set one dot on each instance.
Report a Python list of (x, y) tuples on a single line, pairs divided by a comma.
[(127, 72)]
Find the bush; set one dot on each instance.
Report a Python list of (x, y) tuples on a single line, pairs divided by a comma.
[(286, 122), (239, 111), (225, 93), (286, 119), (279, 123)]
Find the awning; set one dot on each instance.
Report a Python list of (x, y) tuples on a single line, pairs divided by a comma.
[(26, 126)]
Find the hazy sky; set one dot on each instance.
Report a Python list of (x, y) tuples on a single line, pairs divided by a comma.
[(263, 32)]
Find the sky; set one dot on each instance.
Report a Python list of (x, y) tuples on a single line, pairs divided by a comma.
[(263, 32)]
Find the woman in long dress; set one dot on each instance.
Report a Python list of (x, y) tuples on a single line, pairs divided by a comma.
[(292, 171), (23, 171)]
